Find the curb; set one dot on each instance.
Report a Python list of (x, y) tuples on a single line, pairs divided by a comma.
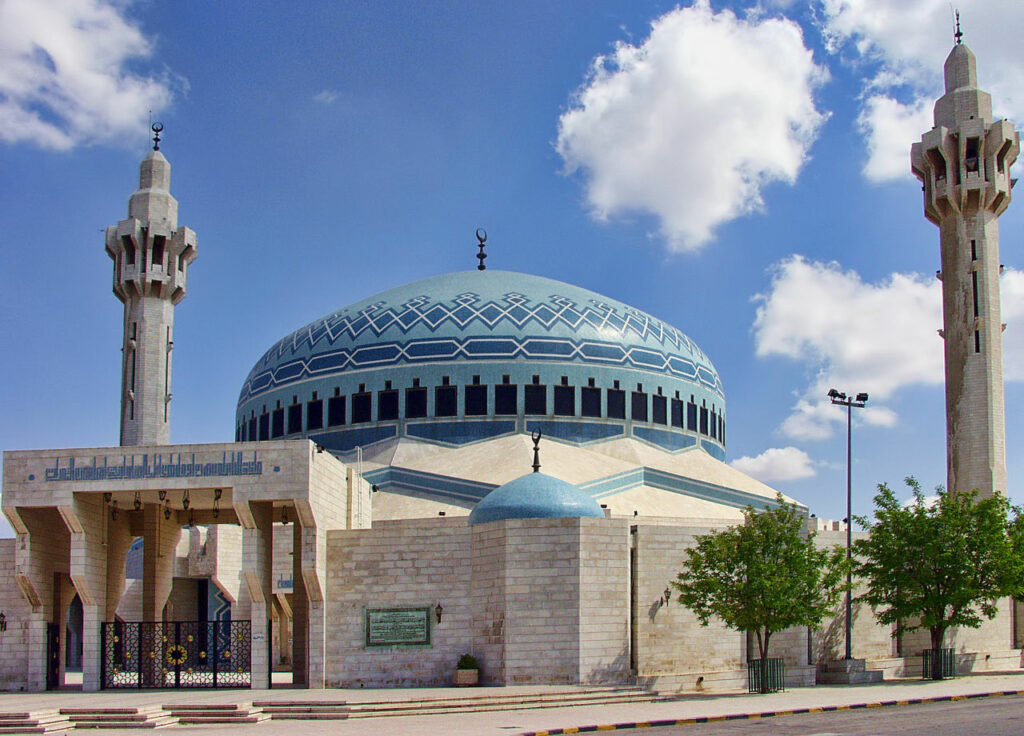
[(764, 714)]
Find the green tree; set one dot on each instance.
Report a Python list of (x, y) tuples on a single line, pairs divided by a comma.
[(762, 576), (939, 564)]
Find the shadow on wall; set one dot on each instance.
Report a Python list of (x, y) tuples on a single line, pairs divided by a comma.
[(830, 642), (615, 672)]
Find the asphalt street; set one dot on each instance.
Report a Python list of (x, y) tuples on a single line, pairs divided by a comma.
[(988, 717)]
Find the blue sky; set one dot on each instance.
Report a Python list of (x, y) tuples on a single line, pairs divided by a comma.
[(739, 170)]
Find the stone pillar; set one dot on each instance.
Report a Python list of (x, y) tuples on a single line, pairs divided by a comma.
[(300, 612), (257, 567), (87, 518), (161, 541)]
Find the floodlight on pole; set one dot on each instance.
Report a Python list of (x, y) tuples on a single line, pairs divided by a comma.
[(839, 398)]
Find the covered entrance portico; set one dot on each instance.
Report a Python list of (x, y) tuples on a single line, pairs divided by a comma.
[(77, 512)]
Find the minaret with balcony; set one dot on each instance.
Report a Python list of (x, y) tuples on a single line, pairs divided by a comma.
[(151, 257), (964, 164)]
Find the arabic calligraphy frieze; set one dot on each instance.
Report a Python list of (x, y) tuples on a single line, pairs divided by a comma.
[(175, 465)]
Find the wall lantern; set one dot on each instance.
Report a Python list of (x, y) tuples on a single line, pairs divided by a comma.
[(3, 621), (162, 495), (138, 501), (438, 610), (284, 515), (185, 500)]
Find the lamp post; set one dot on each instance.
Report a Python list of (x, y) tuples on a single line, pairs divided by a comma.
[(841, 399)]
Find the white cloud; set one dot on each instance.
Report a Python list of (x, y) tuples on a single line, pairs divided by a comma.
[(326, 96), (901, 45), (890, 127), (64, 76), (857, 336), (664, 127), (777, 463)]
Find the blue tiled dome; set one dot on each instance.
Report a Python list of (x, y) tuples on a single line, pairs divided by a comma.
[(534, 496), (429, 360)]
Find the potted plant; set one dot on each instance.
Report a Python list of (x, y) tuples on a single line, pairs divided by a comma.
[(467, 671)]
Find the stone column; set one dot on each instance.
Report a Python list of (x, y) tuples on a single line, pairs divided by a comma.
[(257, 567), (161, 541), (300, 612), (87, 518)]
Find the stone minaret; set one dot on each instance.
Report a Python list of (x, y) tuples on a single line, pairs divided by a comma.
[(151, 256), (964, 164)]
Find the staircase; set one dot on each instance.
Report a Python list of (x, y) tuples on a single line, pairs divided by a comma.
[(39, 721), (340, 710), (145, 717), (198, 714)]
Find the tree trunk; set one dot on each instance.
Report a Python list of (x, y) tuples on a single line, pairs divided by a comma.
[(937, 633), (763, 642)]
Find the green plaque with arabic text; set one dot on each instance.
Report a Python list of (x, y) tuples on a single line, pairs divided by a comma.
[(389, 627)]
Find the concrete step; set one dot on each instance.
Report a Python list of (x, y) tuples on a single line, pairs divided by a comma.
[(200, 720), (146, 717), (39, 721)]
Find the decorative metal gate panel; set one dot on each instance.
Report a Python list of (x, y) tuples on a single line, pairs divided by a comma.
[(52, 656), (177, 654)]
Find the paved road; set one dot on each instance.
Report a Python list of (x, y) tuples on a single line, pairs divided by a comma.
[(988, 717)]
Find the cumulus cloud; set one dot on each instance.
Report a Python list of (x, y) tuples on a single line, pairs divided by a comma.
[(900, 45), (777, 463), (326, 96), (664, 127), (65, 78), (858, 336)]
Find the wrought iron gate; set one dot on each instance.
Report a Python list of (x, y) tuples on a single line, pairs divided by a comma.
[(52, 656), (177, 654)]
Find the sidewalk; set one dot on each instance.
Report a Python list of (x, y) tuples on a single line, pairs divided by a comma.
[(533, 721)]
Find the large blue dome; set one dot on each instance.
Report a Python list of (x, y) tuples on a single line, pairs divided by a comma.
[(443, 348), (534, 496)]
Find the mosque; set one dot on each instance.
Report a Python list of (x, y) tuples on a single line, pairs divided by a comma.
[(480, 462)]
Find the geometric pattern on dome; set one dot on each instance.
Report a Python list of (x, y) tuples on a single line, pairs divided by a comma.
[(468, 308), (494, 347)]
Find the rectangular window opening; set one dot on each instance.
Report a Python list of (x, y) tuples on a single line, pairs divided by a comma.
[(416, 401), (476, 399), (535, 399), (505, 398), (565, 399), (446, 400)]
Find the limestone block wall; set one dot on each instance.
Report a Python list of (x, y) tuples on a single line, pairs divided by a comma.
[(487, 599), (604, 601), (13, 642), (416, 563), (542, 589), (870, 640), (670, 646)]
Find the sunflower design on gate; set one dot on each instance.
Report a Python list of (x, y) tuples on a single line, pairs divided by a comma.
[(176, 655)]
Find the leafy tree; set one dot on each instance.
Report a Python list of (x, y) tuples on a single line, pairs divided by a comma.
[(936, 565), (762, 576)]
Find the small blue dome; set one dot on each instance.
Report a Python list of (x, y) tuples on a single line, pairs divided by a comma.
[(534, 496)]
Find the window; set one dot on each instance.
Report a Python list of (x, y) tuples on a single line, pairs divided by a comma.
[(252, 429), (415, 401), (691, 415), (264, 426), (238, 432), (659, 410), (294, 418), (277, 425), (362, 407), (535, 398), (677, 413), (565, 401), (158, 251), (506, 397), (315, 415), (616, 403), (476, 399), (446, 400), (129, 249), (714, 424), (638, 406), (387, 405), (590, 401), (721, 429), (703, 420), (335, 411)]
